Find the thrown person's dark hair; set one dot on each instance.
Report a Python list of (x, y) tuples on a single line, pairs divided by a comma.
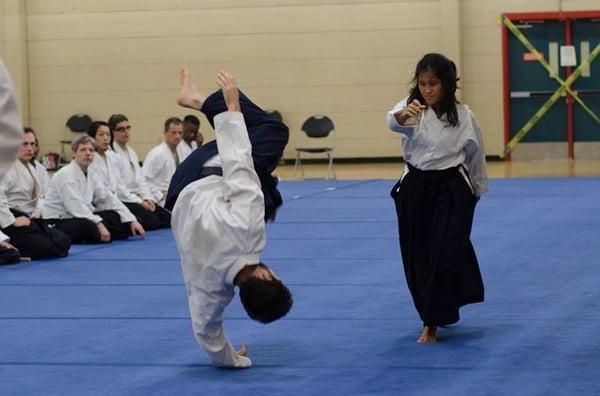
[(265, 301), (445, 70), (191, 119), (93, 128)]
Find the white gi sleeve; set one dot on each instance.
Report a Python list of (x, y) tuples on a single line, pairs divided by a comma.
[(143, 190), (43, 178), (242, 183), (475, 158), (11, 130), (123, 192), (393, 123), (6, 216), (151, 169), (108, 201), (209, 330)]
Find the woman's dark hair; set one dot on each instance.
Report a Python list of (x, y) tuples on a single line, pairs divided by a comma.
[(93, 128), (265, 301), (445, 70)]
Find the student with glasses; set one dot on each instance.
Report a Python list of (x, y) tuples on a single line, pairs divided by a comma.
[(142, 204)]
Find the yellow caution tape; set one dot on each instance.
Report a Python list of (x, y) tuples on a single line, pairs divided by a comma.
[(549, 68), (564, 85)]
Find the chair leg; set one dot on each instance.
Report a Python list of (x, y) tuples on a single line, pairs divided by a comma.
[(298, 164), (330, 170)]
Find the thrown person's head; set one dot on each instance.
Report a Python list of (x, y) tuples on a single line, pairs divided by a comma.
[(264, 297)]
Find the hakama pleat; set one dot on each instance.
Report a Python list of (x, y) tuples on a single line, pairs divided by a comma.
[(435, 214)]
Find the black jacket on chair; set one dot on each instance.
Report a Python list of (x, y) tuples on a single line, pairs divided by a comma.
[(268, 137)]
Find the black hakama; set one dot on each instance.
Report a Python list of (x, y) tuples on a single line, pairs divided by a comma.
[(435, 214)]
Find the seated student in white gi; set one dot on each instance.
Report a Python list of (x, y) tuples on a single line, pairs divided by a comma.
[(40, 169), (162, 160), (219, 227), (78, 204), (148, 212), (108, 168), (20, 211), (191, 138)]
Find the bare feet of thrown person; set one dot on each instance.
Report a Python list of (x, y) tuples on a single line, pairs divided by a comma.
[(428, 336), (189, 94)]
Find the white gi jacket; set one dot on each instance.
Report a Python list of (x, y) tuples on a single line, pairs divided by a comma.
[(159, 166), (219, 228), (11, 130), (43, 177), (72, 194), (109, 170), (133, 177), (432, 145), (183, 149), (16, 192)]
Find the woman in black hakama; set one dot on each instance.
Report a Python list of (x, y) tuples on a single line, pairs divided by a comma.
[(435, 214), (435, 199)]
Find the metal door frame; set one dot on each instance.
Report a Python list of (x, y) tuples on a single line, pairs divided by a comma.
[(567, 17)]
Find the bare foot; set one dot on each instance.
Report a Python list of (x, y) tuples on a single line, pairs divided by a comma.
[(243, 350), (189, 95), (428, 336)]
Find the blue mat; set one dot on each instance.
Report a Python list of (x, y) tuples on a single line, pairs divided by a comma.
[(113, 319)]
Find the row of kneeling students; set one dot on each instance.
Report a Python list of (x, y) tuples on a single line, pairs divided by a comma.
[(102, 195)]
